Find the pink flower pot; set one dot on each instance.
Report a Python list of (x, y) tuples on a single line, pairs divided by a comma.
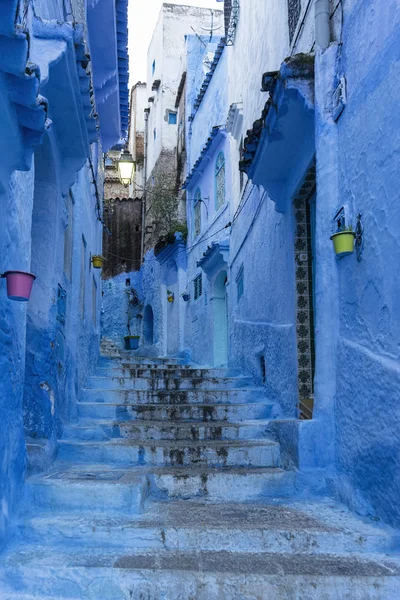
[(19, 285)]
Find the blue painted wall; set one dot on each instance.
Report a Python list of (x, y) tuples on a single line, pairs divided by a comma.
[(50, 225), (367, 411), (114, 307)]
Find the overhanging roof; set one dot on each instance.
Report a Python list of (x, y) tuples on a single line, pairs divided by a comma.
[(108, 39), (283, 138)]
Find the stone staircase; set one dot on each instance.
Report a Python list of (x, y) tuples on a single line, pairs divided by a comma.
[(171, 485)]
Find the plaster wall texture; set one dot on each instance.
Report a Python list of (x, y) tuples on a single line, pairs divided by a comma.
[(213, 110), (114, 306), (63, 313), (15, 241), (368, 393), (136, 136), (49, 345)]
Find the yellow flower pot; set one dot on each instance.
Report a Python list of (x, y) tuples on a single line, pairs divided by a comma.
[(170, 298), (97, 261), (343, 242)]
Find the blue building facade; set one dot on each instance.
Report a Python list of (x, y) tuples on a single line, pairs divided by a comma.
[(288, 141), (53, 108)]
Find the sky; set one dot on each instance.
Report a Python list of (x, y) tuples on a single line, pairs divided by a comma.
[(142, 19)]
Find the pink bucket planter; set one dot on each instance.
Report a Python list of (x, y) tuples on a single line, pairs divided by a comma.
[(19, 285)]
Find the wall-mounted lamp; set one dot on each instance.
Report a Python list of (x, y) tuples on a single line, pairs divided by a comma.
[(126, 168), (19, 285)]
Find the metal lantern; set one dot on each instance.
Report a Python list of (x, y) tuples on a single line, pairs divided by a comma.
[(126, 167)]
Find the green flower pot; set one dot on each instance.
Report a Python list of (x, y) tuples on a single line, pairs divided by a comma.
[(343, 242)]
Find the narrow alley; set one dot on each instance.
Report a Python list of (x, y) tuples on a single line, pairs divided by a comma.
[(199, 309)]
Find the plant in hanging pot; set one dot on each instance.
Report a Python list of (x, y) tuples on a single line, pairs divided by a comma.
[(97, 261), (170, 296), (343, 241), (185, 296), (19, 284)]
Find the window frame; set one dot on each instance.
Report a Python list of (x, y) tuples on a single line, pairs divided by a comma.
[(240, 283), (197, 212), (220, 167)]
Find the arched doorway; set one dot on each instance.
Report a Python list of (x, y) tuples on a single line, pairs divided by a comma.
[(220, 320), (148, 326)]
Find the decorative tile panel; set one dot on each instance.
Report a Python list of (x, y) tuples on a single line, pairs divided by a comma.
[(304, 292)]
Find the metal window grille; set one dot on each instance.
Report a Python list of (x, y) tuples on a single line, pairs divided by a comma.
[(198, 286), (294, 10), (197, 213), (240, 283), (220, 180), (231, 8)]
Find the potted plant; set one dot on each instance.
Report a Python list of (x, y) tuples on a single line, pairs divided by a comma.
[(134, 306), (343, 241), (97, 261), (185, 296), (19, 284), (170, 296)]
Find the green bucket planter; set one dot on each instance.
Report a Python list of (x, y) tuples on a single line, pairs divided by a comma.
[(343, 242), (131, 342)]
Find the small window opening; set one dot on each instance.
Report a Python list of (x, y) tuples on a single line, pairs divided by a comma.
[(127, 282), (172, 118), (262, 368), (153, 67)]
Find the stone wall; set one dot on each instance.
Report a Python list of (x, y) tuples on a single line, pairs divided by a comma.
[(122, 237)]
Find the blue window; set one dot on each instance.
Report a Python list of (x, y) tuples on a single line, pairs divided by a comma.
[(172, 118), (220, 181), (155, 133), (240, 283), (198, 286), (153, 67), (197, 213)]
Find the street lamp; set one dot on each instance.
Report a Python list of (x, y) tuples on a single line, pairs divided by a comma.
[(126, 167)]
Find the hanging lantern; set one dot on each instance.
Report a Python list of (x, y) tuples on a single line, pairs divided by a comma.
[(19, 285), (126, 168)]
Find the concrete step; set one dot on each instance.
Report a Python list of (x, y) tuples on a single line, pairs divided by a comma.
[(156, 371), (161, 430), (178, 575), (318, 526), (233, 484), (209, 397), (185, 412), (128, 358), (172, 383), (83, 489), (101, 487), (258, 453)]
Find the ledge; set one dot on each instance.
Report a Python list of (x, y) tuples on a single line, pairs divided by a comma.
[(215, 257)]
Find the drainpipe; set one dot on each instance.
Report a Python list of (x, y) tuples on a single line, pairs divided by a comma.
[(322, 24), (146, 123)]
